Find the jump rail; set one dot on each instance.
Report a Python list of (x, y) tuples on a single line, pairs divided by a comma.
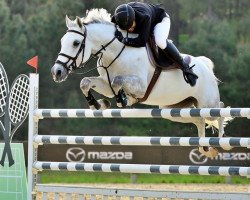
[(143, 141), (142, 113), (142, 168)]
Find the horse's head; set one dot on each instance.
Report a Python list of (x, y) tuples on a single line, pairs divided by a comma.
[(73, 52)]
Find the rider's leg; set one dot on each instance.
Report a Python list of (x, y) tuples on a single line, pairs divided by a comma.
[(175, 55), (161, 32)]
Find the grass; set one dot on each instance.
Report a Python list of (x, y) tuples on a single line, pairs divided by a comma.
[(83, 177)]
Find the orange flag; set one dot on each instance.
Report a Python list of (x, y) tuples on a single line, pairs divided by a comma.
[(33, 62)]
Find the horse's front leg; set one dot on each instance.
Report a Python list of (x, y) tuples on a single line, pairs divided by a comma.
[(100, 86), (127, 89)]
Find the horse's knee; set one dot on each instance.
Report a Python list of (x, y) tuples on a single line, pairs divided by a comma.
[(85, 85)]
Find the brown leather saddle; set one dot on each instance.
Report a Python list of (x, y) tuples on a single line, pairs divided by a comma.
[(160, 61), (158, 57)]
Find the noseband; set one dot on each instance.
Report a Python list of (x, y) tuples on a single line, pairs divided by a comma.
[(73, 65)]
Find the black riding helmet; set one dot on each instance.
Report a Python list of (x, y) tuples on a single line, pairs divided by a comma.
[(124, 16)]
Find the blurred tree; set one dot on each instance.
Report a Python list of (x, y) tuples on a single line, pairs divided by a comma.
[(13, 41), (217, 29), (17, 6)]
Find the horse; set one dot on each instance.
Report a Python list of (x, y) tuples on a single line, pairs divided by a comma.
[(128, 69)]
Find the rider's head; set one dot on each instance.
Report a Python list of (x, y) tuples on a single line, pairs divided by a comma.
[(124, 16)]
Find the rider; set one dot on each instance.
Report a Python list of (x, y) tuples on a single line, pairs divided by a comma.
[(144, 19)]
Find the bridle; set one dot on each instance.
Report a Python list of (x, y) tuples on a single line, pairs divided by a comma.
[(73, 66)]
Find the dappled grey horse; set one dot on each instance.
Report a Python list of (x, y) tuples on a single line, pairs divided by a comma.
[(128, 71)]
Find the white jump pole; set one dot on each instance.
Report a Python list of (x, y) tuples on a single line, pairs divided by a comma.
[(143, 141), (33, 131), (143, 113)]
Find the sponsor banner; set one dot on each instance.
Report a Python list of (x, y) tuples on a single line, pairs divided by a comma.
[(141, 155)]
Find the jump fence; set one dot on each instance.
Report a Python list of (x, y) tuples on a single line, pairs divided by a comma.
[(35, 166)]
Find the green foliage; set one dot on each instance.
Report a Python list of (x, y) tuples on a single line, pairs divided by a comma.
[(239, 74), (217, 29)]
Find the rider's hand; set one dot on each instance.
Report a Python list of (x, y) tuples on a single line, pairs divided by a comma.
[(125, 41), (119, 35)]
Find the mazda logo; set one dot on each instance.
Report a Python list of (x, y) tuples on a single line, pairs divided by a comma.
[(196, 157), (75, 154)]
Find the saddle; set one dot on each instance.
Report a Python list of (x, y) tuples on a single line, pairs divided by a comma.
[(160, 61), (157, 56)]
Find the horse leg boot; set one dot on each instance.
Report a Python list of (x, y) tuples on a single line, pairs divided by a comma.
[(121, 98), (174, 54)]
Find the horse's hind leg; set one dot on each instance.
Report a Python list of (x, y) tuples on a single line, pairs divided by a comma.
[(207, 151), (221, 126), (222, 122)]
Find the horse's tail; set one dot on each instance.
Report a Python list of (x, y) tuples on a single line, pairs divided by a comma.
[(215, 123), (210, 65)]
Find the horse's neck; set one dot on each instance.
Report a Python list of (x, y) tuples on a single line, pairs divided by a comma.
[(102, 34)]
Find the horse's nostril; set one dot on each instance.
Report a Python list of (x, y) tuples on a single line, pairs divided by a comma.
[(59, 72)]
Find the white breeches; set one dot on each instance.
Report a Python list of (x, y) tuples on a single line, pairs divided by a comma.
[(161, 32)]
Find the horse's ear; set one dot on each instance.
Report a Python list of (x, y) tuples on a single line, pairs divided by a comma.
[(79, 21), (68, 21)]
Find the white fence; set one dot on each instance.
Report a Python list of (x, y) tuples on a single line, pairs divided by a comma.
[(34, 166)]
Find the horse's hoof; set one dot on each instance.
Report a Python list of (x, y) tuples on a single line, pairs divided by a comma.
[(210, 152), (93, 107), (226, 148), (105, 104), (119, 105), (122, 104)]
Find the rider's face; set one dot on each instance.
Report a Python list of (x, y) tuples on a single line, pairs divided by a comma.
[(132, 28)]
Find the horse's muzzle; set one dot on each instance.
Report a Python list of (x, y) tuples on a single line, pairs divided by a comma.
[(59, 73)]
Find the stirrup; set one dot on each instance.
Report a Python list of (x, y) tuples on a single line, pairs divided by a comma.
[(189, 71), (190, 80)]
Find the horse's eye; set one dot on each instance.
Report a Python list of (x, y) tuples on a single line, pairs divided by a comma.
[(76, 43)]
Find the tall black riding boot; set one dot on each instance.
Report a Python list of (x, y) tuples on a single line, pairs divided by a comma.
[(174, 54)]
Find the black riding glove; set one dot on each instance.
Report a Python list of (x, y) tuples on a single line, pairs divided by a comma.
[(119, 35), (125, 41)]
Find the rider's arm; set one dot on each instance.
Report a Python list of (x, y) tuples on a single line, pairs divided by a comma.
[(144, 34)]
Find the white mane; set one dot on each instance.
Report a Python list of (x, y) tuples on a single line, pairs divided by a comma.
[(97, 16)]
